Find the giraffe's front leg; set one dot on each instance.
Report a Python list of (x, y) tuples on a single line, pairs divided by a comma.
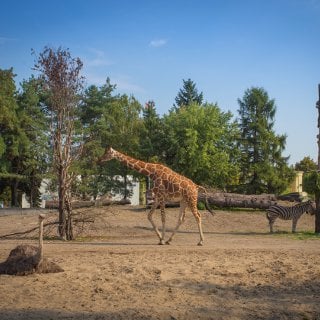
[(150, 214), (163, 220)]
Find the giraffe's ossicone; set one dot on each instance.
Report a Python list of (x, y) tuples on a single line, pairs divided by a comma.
[(167, 185)]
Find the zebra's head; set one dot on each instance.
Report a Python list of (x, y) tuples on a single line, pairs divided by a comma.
[(311, 208)]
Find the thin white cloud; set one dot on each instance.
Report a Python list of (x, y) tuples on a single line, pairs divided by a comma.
[(123, 83), (4, 40), (99, 59), (158, 43), (93, 79)]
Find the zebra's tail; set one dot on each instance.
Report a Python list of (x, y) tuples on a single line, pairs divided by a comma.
[(206, 203)]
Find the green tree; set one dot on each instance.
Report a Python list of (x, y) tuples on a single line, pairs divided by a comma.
[(108, 120), (125, 125), (305, 165), (12, 138), (263, 168), (34, 161), (188, 95), (94, 113), (200, 144), (151, 133), (152, 136)]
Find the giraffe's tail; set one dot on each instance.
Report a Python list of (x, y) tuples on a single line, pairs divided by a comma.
[(206, 203)]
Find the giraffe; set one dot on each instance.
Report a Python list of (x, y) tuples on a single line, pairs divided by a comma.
[(167, 185)]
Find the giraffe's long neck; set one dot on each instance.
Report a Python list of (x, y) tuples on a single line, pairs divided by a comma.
[(142, 167)]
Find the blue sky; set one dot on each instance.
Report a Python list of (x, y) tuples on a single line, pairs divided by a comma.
[(148, 47)]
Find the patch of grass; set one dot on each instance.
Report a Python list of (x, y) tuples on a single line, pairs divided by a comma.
[(303, 235)]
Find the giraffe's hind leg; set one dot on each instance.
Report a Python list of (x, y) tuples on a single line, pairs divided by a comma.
[(182, 215), (198, 219), (150, 214)]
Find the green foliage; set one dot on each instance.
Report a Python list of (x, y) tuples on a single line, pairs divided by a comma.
[(24, 153), (33, 159), (107, 119), (195, 139), (305, 165), (188, 95), (9, 123), (311, 183), (263, 168), (200, 144), (152, 134)]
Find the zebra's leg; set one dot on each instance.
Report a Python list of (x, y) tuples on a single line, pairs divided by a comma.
[(294, 225), (271, 222), (271, 225)]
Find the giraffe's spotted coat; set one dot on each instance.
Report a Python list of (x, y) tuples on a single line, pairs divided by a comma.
[(167, 185)]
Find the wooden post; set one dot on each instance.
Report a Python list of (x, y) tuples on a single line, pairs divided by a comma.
[(317, 195)]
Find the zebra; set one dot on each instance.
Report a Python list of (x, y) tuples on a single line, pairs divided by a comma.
[(289, 213)]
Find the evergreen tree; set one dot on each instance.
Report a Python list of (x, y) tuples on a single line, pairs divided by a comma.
[(124, 133), (12, 139), (188, 95), (263, 168), (151, 133), (34, 161), (94, 112), (108, 120), (305, 165)]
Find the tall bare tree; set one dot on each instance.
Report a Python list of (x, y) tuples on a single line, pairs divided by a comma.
[(60, 74), (317, 194)]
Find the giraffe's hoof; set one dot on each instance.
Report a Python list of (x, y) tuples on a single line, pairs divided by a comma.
[(161, 243), (200, 243), (168, 242)]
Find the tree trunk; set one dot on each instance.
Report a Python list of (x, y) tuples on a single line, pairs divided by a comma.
[(317, 215), (222, 199), (317, 195), (14, 193), (62, 204)]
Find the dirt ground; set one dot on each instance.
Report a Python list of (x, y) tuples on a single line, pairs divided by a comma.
[(116, 270)]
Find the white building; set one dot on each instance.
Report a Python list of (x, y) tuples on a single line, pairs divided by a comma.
[(46, 195)]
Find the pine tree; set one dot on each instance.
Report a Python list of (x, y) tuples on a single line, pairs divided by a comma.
[(263, 167), (12, 139), (151, 134), (33, 160), (188, 95)]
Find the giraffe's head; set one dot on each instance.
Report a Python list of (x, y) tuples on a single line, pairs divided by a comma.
[(108, 155)]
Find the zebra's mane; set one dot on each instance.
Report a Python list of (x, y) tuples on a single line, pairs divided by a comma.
[(301, 204)]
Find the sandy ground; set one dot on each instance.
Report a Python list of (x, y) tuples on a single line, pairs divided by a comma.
[(116, 270)]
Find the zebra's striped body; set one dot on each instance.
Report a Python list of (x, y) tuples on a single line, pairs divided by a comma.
[(289, 213)]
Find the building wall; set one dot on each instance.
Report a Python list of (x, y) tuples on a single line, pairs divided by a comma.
[(296, 185), (45, 195)]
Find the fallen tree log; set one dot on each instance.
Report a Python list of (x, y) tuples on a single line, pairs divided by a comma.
[(235, 200), (54, 204), (232, 200)]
